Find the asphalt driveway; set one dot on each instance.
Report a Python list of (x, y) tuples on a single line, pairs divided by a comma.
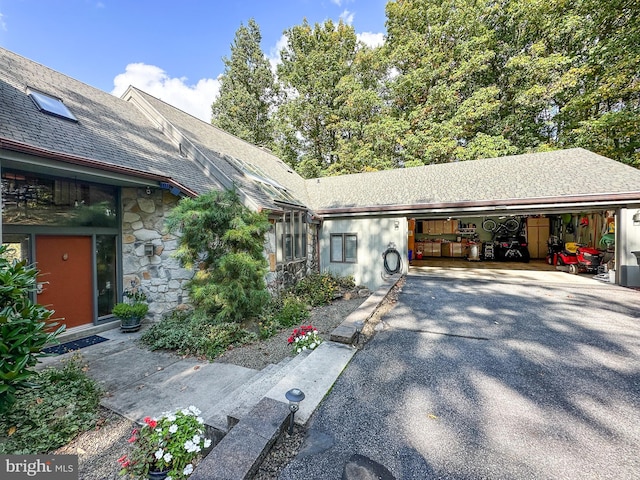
[(489, 375)]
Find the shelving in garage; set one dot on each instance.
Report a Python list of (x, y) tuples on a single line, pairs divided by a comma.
[(453, 237)]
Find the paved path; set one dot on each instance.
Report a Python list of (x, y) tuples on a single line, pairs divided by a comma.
[(489, 375)]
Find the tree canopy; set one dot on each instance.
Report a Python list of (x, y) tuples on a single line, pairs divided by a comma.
[(456, 80)]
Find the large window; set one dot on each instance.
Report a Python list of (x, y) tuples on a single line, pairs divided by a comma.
[(344, 248), (291, 236), (29, 199)]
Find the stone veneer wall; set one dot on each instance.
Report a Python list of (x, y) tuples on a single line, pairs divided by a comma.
[(160, 275)]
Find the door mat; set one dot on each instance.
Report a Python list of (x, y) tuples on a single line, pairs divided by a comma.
[(75, 345)]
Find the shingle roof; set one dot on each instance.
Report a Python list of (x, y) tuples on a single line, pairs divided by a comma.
[(109, 130), (132, 134), (222, 147), (571, 172)]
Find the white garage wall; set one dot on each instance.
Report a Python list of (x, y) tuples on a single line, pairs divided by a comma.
[(627, 241), (374, 236)]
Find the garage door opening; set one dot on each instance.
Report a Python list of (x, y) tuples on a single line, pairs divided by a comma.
[(581, 242)]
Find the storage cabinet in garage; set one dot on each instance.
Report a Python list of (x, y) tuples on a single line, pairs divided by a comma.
[(452, 249), (537, 236), (439, 227)]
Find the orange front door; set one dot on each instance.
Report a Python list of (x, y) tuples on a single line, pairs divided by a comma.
[(66, 277)]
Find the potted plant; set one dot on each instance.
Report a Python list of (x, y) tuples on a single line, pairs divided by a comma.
[(132, 310), (167, 447)]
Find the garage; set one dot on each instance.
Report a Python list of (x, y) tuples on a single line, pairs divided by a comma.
[(507, 212), (576, 242)]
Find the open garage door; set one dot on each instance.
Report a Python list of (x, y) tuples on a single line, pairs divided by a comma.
[(578, 242)]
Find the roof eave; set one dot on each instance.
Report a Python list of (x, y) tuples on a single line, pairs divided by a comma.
[(608, 199), (19, 147)]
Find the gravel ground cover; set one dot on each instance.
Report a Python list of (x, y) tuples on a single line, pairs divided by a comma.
[(99, 449)]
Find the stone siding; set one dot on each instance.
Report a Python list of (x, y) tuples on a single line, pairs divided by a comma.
[(160, 275)]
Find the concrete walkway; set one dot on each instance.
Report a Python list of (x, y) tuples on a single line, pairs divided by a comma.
[(245, 410)]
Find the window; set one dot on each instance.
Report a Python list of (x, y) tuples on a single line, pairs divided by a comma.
[(32, 199), (51, 105), (291, 235), (344, 248)]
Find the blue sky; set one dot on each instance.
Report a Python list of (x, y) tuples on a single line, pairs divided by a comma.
[(171, 49)]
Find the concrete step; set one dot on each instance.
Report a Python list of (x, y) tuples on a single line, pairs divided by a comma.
[(177, 385), (314, 375), (228, 412)]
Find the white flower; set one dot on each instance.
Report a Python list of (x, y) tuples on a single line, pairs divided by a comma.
[(297, 339), (299, 350), (168, 478), (167, 457), (200, 420), (195, 411), (315, 332), (173, 428), (187, 470), (207, 442), (171, 417), (185, 411), (312, 346), (159, 453), (188, 446), (196, 439)]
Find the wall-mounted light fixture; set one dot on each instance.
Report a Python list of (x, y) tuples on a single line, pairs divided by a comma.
[(396, 224), (148, 191), (149, 249), (636, 218)]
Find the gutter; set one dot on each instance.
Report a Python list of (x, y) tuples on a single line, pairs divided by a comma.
[(588, 200), (13, 146)]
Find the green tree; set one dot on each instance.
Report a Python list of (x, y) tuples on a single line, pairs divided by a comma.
[(314, 62), (362, 144), (604, 115), (445, 91), (225, 240), (248, 90), (479, 79)]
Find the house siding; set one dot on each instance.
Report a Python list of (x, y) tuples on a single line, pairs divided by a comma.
[(374, 237), (627, 241)]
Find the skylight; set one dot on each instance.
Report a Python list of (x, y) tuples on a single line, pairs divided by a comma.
[(50, 105), (269, 186)]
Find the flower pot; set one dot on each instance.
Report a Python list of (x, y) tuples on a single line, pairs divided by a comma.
[(157, 474), (130, 324)]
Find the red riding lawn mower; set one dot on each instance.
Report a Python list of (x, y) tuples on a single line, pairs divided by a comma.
[(577, 258)]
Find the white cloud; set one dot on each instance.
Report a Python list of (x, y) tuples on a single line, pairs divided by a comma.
[(347, 17), (337, 2), (193, 99), (274, 52), (371, 39), (3, 25)]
